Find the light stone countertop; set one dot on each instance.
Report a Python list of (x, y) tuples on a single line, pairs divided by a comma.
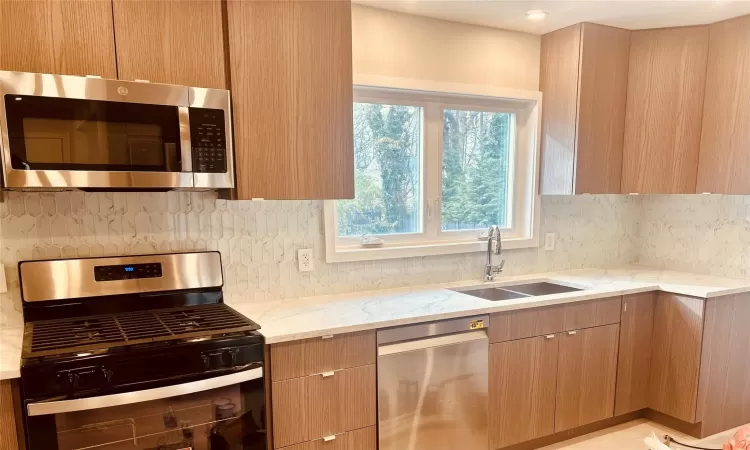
[(292, 319), (11, 340)]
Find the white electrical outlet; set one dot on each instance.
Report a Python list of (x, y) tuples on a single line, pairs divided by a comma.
[(305, 258), (549, 241)]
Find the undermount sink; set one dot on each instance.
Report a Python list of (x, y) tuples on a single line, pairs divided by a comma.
[(511, 292), (536, 289), (494, 294)]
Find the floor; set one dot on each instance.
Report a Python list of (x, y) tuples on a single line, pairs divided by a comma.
[(630, 435)]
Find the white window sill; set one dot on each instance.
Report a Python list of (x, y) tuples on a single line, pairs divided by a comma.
[(347, 254)]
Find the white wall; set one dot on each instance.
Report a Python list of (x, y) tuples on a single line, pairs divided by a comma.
[(400, 45)]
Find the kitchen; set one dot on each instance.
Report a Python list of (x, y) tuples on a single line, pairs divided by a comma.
[(599, 113)]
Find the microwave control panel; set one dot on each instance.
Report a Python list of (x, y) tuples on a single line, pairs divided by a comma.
[(208, 140)]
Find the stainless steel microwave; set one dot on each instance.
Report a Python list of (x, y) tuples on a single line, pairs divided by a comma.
[(69, 132)]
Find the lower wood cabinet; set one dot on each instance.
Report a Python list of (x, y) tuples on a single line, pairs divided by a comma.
[(586, 376), (634, 357), (676, 355), (547, 384), (8, 425), (362, 439), (323, 405), (522, 390), (524, 323)]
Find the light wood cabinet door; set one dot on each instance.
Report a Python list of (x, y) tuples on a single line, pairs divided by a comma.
[(525, 323), (522, 386), (583, 78), (586, 376), (724, 388), (59, 37), (171, 41), (666, 84), (602, 92), (676, 355), (291, 72), (724, 163), (362, 439), (322, 354), (317, 406), (8, 426), (341, 402), (634, 357), (558, 81)]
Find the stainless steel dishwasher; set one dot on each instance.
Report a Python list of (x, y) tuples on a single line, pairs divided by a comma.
[(432, 385)]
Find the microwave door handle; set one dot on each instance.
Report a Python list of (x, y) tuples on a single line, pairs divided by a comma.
[(126, 398), (186, 149)]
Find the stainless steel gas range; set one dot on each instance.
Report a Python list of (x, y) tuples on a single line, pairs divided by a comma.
[(138, 353)]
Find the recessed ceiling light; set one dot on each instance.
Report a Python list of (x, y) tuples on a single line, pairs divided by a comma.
[(536, 14)]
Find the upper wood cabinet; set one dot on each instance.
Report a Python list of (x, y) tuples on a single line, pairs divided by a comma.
[(666, 83), (724, 164), (291, 72), (60, 37), (171, 41), (584, 70)]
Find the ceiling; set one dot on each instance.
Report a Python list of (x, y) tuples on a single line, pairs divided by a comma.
[(511, 14)]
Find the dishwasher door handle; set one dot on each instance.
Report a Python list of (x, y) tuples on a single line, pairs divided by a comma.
[(437, 341)]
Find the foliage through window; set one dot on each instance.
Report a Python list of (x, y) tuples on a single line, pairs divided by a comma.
[(476, 152), (387, 155), (433, 171)]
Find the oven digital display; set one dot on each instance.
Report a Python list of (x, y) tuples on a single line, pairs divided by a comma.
[(127, 272)]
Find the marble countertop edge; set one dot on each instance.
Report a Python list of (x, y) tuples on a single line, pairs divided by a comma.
[(287, 320)]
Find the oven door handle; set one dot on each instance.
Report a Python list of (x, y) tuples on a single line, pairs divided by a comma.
[(126, 398)]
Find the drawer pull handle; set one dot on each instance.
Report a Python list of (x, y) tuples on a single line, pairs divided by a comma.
[(329, 438), (550, 336), (327, 374), (327, 336), (571, 333)]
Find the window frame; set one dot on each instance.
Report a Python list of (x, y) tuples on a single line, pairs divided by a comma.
[(434, 98)]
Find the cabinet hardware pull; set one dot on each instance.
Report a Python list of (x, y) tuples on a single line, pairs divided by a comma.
[(328, 374), (329, 438), (327, 336), (550, 336), (625, 307), (571, 333)]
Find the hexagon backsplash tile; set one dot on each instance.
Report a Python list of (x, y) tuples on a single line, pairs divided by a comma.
[(258, 240)]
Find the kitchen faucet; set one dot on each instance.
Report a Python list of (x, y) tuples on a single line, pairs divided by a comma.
[(494, 245)]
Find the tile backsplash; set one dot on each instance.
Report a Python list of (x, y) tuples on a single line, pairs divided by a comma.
[(696, 233), (258, 240)]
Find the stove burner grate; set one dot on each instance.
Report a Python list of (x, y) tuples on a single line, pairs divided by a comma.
[(58, 336)]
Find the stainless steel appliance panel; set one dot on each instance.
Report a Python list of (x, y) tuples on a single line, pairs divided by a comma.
[(432, 393), (215, 99), (74, 278), (94, 174)]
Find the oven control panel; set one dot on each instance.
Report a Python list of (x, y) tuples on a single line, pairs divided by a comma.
[(208, 140), (127, 272)]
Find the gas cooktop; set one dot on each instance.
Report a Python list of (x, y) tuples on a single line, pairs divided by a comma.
[(80, 334)]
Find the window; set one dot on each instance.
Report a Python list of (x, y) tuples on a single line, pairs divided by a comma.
[(433, 170)]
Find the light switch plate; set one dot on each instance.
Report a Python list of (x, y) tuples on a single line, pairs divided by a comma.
[(305, 259), (549, 241)]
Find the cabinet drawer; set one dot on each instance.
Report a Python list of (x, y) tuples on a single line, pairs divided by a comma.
[(324, 354), (525, 323), (316, 406), (362, 439)]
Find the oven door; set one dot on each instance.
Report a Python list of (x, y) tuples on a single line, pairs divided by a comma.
[(89, 133), (221, 413)]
